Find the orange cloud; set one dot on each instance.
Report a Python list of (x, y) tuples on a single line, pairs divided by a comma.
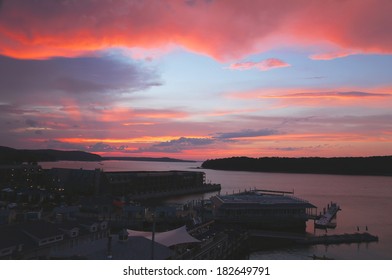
[(136, 116), (221, 29), (133, 140), (381, 97), (142, 139), (331, 55), (263, 65)]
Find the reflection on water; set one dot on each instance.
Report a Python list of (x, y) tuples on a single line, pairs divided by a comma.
[(366, 201)]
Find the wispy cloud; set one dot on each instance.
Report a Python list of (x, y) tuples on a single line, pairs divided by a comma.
[(332, 55), (55, 144), (288, 149), (332, 94), (177, 145), (247, 133), (263, 65), (281, 97), (188, 143), (324, 99), (98, 147)]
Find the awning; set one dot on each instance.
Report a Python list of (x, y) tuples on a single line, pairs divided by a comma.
[(167, 238)]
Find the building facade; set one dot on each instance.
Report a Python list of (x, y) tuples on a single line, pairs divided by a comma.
[(262, 211)]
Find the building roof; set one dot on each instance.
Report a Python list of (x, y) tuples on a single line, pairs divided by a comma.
[(167, 238)]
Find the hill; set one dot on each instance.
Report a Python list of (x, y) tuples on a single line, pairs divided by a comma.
[(161, 159), (378, 165), (10, 155)]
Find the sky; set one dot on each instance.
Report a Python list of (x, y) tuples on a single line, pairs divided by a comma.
[(197, 79)]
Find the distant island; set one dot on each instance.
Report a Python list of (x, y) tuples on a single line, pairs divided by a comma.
[(377, 165), (161, 159), (10, 155)]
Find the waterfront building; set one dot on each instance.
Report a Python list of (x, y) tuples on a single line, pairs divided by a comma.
[(46, 240), (273, 211), (132, 184), (156, 184), (73, 181), (21, 175)]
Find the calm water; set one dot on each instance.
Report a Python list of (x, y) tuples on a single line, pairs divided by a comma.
[(365, 201)]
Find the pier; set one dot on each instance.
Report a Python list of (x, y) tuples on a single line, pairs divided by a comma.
[(340, 239), (307, 239), (325, 220), (217, 244)]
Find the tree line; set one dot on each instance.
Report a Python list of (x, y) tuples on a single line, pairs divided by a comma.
[(377, 165)]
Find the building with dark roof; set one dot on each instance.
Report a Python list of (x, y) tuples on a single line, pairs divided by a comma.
[(74, 181), (133, 184), (139, 185), (42, 233), (21, 175), (45, 240), (262, 210)]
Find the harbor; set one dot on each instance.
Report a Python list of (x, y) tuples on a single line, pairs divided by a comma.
[(233, 232), (230, 226)]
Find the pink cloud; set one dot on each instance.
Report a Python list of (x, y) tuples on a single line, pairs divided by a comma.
[(263, 65), (224, 30), (332, 55), (319, 96)]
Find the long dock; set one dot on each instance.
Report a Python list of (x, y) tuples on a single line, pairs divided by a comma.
[(219, 247), (324, 221), (313, 239), (340, 239)]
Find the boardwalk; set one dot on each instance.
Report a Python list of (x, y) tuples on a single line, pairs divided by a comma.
[(340, 239), (325, 220), (313, 240)]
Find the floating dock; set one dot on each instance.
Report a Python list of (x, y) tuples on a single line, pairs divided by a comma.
[(325, 220), (306, 239), (340, 239)]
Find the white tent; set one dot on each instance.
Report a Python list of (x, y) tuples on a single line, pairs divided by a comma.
[(167, 238)]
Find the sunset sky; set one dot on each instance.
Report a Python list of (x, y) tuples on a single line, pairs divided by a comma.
[(197, 79)]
